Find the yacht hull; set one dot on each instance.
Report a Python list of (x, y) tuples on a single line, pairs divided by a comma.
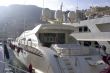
[(27, 58)]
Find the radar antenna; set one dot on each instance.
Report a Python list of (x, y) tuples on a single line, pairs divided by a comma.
[(61, 6)]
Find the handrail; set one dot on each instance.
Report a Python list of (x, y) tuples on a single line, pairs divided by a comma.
[(14, 67), (91, 50)]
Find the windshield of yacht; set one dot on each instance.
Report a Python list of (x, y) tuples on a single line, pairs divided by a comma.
[(47, 39), (51, 38)]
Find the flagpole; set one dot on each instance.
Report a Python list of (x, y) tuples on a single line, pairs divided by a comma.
[(61, 6), (43, 3)]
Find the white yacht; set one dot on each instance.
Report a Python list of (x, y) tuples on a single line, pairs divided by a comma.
[(94, 31), (59, 48)]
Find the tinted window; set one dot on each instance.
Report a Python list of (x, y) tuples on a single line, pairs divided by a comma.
[(80, 29)]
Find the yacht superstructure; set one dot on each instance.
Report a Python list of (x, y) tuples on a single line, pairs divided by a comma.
[(94, 30)]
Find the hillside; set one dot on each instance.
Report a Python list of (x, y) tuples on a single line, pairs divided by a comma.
[(14, 18)]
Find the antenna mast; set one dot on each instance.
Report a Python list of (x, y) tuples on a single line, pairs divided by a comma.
[(61, 6), (77, 13), (77, 5), (43, 3)]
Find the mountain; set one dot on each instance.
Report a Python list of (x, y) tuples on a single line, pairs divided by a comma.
[(14, 19)]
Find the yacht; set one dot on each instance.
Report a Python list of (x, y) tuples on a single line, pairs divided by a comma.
[(63, 47)]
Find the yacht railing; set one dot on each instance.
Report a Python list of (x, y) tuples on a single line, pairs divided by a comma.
[(14, 68), (96, 17), (86, 50), (69, 50)]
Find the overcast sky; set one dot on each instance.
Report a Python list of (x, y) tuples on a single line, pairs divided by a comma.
[(55, 4)]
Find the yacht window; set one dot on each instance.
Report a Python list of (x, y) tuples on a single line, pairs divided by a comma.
[(88, 58), (80, 42), (85, 29), (96, 44), (29, 39), (87, 43), (24, 39), (109, 42), (51, 38), (80, 29)]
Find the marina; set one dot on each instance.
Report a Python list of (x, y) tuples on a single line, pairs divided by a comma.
[(40, 40)]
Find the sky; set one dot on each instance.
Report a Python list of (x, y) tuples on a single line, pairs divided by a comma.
[(55, 4)]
